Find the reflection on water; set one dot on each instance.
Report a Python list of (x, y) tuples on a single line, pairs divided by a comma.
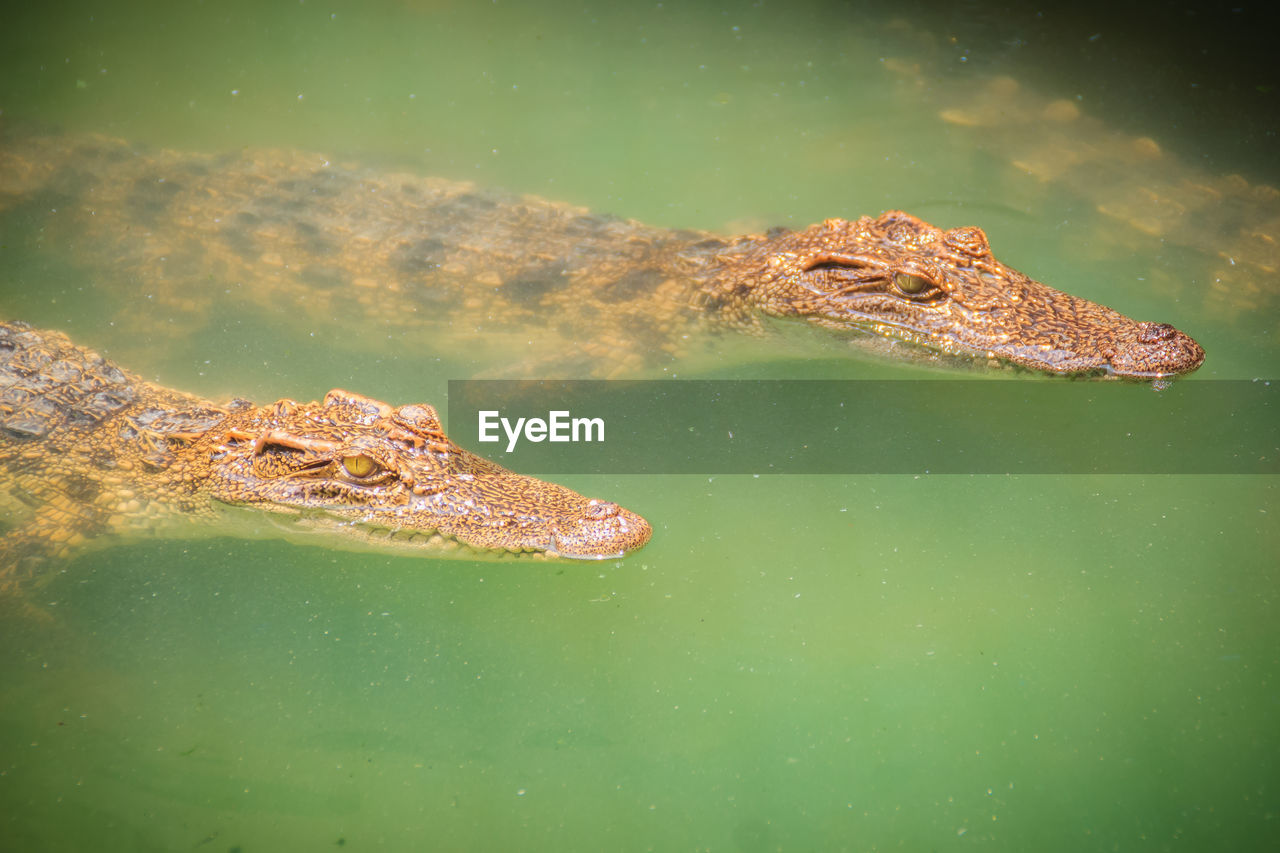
[(1129, 179), (795, 662)]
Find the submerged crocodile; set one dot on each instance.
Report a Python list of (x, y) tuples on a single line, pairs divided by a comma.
[(354, 249), (88, 449)]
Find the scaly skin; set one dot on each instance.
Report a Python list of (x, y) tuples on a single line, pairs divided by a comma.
[(294, 234), (904, 279), (88, 450)]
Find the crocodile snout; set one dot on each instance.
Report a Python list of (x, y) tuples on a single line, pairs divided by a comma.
[(603, 531), (1157, 349)]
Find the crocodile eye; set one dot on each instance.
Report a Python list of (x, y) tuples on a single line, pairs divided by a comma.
[(361, 467), (911, 285)]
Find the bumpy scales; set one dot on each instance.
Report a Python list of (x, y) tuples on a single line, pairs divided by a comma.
[(904, 279), (88, 449), (296, 235)]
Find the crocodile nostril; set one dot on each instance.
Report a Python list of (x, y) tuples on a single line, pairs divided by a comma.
[(1154, 333)]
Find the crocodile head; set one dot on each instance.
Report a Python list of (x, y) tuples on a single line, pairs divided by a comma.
[(384, 477), (904, 279)]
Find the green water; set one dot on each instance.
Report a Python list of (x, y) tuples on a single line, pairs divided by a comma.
[(794, 663)]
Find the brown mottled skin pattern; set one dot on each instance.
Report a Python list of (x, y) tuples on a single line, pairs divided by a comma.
[(903, 278), (365, 252), (88, 449)]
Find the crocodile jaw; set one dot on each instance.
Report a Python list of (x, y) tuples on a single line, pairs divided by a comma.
[(944, 291), (378, 533), (1146, 351)]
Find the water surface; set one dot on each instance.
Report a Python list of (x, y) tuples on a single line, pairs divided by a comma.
[(797, 663)]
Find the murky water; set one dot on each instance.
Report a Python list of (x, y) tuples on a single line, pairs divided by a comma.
[(797, 663)]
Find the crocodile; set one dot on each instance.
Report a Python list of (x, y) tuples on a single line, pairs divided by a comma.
[(345, 247), (89, 450)]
